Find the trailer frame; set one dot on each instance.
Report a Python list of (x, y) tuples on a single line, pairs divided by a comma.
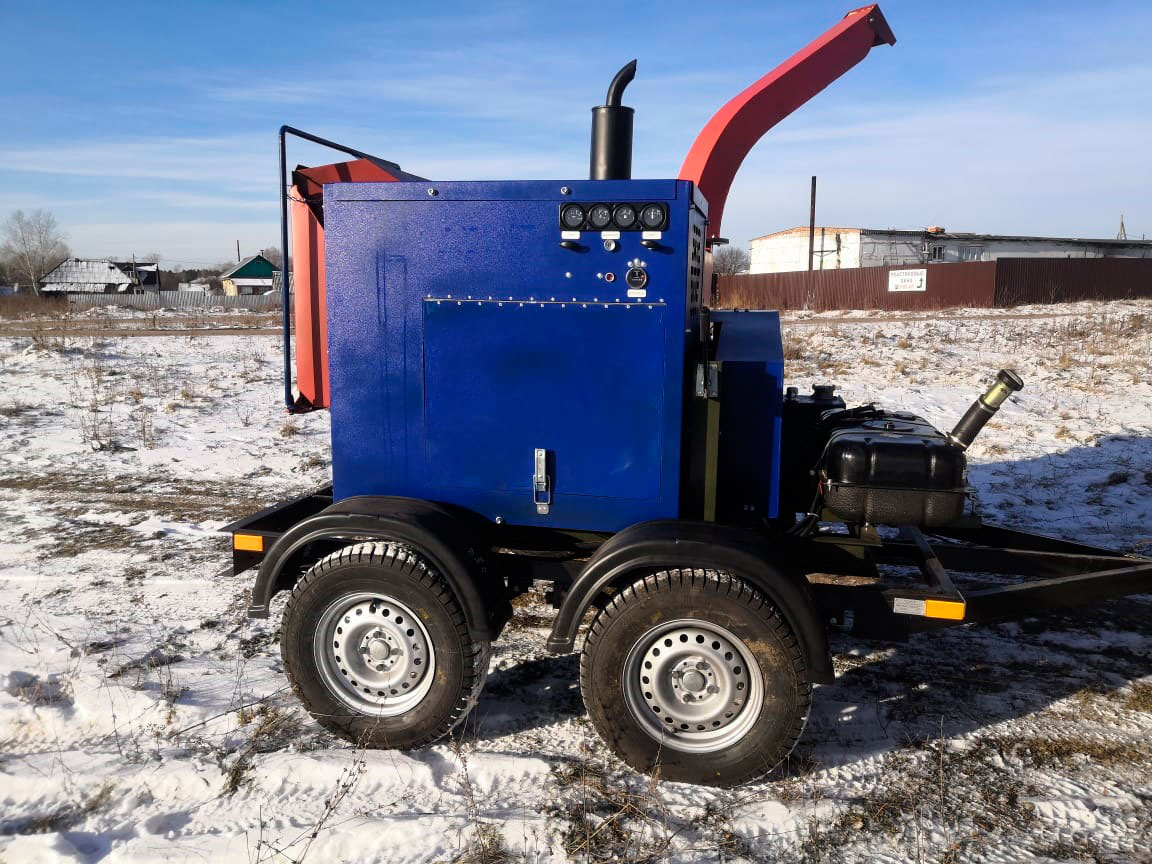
[(846, 572)]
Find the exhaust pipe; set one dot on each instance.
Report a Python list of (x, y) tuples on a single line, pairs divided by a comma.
[(1007, 382), (611, 157)]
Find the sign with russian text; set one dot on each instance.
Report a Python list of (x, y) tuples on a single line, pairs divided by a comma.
[(907, 280)]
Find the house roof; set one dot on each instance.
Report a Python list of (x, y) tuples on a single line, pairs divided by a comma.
[(803, 229), (254, 266), (962, 235), (95, 274)]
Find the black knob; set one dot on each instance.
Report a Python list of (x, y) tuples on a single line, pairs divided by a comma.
[(571, 244), (651, 244)]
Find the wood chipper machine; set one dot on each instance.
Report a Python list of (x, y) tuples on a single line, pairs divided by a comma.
[(527, 385)]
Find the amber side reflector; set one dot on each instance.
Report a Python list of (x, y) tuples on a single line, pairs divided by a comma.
[(248, 542), (950, 609)]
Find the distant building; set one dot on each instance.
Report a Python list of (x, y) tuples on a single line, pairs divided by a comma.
[(837, 248), (254, 275), (101, 276), (204, 286)]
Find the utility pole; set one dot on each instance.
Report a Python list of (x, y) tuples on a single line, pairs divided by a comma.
[(812, 224), (237, 251)]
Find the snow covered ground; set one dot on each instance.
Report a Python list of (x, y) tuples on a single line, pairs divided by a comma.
[(144, 718)]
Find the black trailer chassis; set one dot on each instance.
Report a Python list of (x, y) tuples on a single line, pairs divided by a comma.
[(861, 582)]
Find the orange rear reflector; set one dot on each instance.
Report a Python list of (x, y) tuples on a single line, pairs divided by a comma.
[(248, 542), (950, 609)]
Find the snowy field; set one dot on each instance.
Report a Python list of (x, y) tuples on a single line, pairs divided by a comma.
[(144, 718)]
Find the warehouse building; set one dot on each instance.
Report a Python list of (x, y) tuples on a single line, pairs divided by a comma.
[(841, 248)]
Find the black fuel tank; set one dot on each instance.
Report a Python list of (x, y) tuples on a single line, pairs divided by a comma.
[(891, 468)]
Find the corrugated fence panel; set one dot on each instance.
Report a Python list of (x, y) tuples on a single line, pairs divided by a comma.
[(945, 285), (1062, 280), (178, 300)]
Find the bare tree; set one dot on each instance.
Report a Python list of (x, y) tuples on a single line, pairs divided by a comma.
[(730, 260), (33, 245), (273, 254)]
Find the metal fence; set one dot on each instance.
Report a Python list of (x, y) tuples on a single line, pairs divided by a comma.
[(1004, 282), (178, 300)]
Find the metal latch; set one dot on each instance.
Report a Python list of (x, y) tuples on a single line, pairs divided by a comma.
[(541, 490), (708, 380)]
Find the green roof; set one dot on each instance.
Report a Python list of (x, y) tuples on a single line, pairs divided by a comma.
[(253, 267)]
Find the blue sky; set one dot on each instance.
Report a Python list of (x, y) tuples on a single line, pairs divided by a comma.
[(152, 127)]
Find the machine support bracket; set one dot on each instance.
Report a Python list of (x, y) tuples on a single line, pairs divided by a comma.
[(708, 380)]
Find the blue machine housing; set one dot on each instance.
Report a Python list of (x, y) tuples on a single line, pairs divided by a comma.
[(750, 355), (467, 331)]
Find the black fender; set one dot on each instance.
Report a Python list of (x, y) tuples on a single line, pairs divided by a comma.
[(446, 536), (670, 544)]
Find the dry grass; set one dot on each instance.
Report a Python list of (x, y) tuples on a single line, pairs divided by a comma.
[(1045, 751), (486, 846), (1139, 697), (62, 818), (290, 428), (28, 306)]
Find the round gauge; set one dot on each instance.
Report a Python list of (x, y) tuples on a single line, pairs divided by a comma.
[(636, 278), (599, 216), (572, 216), (652, 216), (624, 215)]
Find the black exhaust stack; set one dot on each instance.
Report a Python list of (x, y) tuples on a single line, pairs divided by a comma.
[(611, 157), (982, 410)]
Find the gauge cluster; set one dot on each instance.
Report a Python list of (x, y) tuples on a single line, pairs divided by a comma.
[(618, 217)]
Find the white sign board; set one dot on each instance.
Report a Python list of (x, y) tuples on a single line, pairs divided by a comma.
[(907, 280)]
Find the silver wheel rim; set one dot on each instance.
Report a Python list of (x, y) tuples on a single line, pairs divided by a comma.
[(374, 654), (693, 686)]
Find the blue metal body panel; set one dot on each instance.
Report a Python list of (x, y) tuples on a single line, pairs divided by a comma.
[(462, 337), (751, 357)]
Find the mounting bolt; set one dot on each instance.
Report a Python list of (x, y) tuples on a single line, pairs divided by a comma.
[(433, 193), (564, 190)]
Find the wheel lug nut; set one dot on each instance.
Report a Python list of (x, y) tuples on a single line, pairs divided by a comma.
[(712, 688), (701, 665)]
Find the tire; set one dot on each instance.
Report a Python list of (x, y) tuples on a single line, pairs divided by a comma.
[(694, 674), (376, 646)]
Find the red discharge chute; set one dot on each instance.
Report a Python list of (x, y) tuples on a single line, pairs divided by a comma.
[(721, 146), (306, 212)]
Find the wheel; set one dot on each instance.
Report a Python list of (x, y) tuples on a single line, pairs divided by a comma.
[(696, 674), (376, 647)]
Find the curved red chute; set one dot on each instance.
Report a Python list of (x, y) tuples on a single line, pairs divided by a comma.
[(721, 146)]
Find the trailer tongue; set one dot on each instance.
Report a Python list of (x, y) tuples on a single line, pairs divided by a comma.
[(526, 385)]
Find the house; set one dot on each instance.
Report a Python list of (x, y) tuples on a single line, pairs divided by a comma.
[(101, 276), (254, 275), (837, 248)]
